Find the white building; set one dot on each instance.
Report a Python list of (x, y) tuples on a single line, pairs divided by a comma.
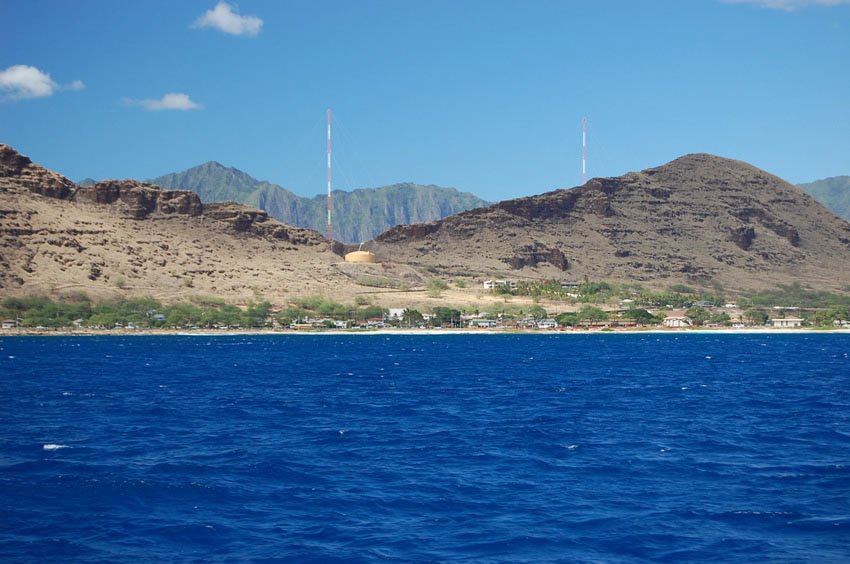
[(483, 323), (676, 322), (492, 284), (786, 322)]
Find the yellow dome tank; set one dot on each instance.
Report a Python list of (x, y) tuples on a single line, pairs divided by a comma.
[(361, 256)]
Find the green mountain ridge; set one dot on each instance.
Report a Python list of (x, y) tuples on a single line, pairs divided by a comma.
[(833, 193), (359, 215)]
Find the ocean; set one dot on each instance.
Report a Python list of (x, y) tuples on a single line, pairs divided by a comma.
[(430, 448)]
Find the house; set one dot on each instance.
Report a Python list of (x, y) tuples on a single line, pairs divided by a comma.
[(547, 324), (676, 322), (395, 313), (493, 284), (786, 322), (526, 323), (482, 323), (9, 324)]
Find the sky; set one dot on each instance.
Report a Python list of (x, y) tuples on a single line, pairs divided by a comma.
[(486, 96)]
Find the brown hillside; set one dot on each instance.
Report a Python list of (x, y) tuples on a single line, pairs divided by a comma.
[(130, 238), (699, 219)]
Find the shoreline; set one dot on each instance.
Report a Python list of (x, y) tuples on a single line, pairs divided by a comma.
[(64, 332)]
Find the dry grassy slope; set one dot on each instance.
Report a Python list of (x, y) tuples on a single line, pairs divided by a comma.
[(128, 238), (699, 219)]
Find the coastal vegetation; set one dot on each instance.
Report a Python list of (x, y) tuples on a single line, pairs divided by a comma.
[(675, 296), (602, 292), (794, 295), (436, 286), (79, 310), (590, 303), (317, 307)]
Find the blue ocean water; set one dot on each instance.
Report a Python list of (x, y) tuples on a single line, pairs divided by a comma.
[(520, 448)]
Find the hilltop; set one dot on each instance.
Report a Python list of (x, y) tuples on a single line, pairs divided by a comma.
[(833, 193), (359, 215), (700, 219)]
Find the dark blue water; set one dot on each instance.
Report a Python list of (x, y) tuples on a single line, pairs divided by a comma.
[(426, 448)]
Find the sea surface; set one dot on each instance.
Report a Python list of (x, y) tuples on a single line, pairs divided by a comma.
[(462, 448)]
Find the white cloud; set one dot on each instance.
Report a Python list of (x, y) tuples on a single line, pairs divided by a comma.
[(21, 82), (76, 86), (171, 101), (223, 18), (789, 5)]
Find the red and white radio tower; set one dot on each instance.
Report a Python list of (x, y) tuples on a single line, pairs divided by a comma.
[(583, 150), (329, 174)]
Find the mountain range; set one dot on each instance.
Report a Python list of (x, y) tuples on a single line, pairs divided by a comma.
[(363, 214), (358, 215), (700, 220)]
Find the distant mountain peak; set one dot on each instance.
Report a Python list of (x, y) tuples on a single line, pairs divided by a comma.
[(833, 192), (358, 215)]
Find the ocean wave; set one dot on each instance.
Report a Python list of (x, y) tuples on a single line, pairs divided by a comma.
[(312, 450)]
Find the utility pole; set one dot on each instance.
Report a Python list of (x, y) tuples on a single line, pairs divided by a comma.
[(329, 174), (583, 150)]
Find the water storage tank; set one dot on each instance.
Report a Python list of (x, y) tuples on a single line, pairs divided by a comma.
[(361, 256)]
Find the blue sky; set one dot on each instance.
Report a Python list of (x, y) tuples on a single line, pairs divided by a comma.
[(485, 96)]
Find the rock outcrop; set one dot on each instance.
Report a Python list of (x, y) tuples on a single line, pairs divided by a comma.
[(37, 179), (139, 200), (124, 237)]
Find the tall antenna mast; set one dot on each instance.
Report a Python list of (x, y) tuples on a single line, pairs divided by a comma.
[(329, 174), (583, 150)]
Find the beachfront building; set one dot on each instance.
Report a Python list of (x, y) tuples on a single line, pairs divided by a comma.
[(483, 323), (676, 322), (786, 323), (395, 313)]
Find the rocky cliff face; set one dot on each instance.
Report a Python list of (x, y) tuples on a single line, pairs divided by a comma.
[(138, 199), (128, 237), (700, 219), (37, 179), (131, 199)]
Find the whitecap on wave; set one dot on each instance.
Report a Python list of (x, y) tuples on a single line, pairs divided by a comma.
[(52, 446)]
